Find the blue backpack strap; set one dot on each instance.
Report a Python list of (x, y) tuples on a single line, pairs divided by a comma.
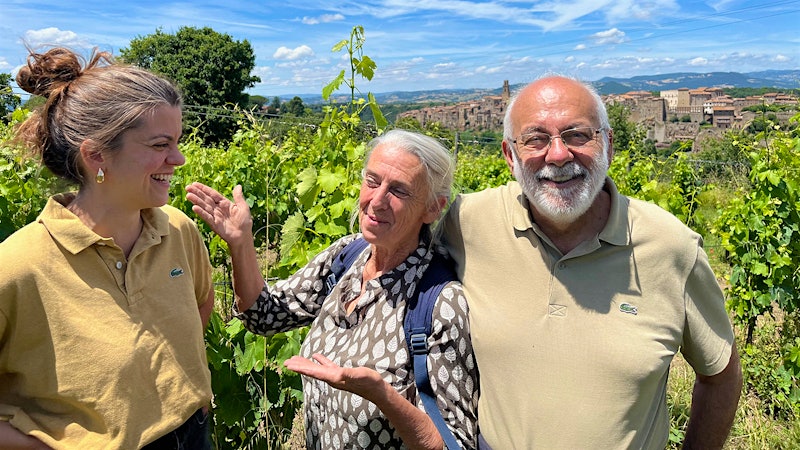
[(417, 325), (346, 257)]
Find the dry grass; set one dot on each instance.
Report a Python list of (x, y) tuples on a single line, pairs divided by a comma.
[(297, 441), (753, 427)]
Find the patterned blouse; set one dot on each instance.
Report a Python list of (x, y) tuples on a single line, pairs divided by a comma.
[(372, 336)]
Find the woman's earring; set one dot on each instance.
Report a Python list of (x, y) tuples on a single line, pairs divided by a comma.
[(101, 176)]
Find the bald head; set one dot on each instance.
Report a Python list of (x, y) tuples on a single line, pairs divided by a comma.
[(550, 98)]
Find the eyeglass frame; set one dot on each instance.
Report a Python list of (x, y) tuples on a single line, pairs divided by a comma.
[(546, 148)]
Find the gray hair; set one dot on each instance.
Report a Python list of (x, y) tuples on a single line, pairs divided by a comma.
[(437, 160), (599, 107)]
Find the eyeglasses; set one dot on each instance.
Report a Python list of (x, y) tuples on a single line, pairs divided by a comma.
[(537, 143)]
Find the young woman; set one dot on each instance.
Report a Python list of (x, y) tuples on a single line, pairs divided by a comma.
[(104, 297)]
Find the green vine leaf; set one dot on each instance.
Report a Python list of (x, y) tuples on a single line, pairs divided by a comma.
[(331, 87), (329, 180), (291, 232)]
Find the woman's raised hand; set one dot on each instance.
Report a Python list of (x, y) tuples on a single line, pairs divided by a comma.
[(231, 220)]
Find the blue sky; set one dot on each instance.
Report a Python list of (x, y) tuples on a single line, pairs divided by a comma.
[(429, 44)]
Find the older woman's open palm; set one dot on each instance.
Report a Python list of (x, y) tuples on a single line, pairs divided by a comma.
[(231, 220), (363, 381)]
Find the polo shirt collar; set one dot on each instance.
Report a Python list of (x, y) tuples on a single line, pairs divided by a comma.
[(68, 230), (615, 232), (519, 209)]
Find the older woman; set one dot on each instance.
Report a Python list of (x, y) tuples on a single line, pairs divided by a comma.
[(103, 297), (356, 342)]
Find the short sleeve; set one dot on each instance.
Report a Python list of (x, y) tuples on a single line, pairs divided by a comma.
[(708, 336)]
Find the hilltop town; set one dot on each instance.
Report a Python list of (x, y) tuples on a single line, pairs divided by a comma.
[(668, 115)]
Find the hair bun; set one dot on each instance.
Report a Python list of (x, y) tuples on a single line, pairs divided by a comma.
[(49, 71)]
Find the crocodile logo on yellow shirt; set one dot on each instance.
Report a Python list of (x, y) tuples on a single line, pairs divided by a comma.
[(628, 309), (176, 272)]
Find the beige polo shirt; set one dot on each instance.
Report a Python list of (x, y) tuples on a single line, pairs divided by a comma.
[(574, 350), (96, 350)]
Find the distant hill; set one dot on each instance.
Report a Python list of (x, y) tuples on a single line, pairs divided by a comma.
[(779, 79), (782, 79), (439, 96)]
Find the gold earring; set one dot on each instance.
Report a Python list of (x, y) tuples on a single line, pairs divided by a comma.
[(101, 176)]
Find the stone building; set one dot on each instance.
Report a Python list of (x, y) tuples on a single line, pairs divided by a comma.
[(678, 101), (701, 105), (479, 115), (657, 113), (724, 117)]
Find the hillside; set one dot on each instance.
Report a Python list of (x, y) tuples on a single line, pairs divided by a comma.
[(779, 79), (782, 79)]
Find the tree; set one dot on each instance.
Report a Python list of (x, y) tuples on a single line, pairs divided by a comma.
[(274, 106), (33, 102), (294, 107), (627, 134), (256, 101), (8, 100), (211, 69)]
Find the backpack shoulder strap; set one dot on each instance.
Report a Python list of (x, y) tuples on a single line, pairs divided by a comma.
[(346, 257), (417, 326), (417, 323)]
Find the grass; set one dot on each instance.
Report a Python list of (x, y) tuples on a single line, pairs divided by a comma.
[(753, 428)]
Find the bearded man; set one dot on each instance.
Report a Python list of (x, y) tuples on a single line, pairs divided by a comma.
[(580, 297)]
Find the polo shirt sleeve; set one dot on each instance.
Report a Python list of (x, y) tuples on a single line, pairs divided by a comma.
[(708, 336)]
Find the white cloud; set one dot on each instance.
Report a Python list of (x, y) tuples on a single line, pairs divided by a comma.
[(48, 37), (293, 64), (720, 5), (4, 65), (489, 70), (736, 56), (639, 10), (612, 36), (444, 70), (302, 51), (605, 65), (325, 18), (262, 72), (569, 59), (580, 47), (781, 58), (698, 61), (635, 63)]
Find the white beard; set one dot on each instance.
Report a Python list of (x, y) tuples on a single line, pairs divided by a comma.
[(562, 206)]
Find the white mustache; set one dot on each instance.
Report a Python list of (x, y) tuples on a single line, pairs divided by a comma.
[(567, 171)]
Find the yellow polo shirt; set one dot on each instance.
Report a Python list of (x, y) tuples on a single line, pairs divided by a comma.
[(574, 350), (96, 350)]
